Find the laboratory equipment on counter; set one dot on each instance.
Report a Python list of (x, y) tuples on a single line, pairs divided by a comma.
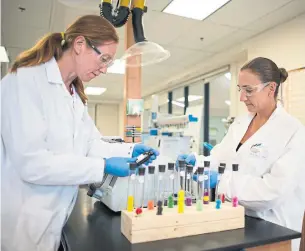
[(188, 185), (200, 179), (131, 187), (161, 184), (140, 187), (206, 191), (144, 158), (150, 188), (233, 185), (181, 176)]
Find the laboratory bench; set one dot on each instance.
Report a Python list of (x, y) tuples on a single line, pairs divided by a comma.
[(93, 227)]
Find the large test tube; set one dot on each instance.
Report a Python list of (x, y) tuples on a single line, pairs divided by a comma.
[(188, 184), (233, 184), (170, 184), (200, 179), (139, 194), (131, 186), (161, 183), (182, 166), (221, 170), (206, 191), (151, 194)]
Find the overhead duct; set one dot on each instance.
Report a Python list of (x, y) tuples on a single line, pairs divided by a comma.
[(143, 52), (121, 13)]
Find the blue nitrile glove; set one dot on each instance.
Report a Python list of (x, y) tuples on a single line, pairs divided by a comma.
[(190, 159), (213, 178), (118, 166), (140, 148)]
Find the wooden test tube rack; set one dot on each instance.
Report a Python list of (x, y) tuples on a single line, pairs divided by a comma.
[(151, 227)]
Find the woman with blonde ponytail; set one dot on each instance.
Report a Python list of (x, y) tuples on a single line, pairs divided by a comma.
[(50, 145)]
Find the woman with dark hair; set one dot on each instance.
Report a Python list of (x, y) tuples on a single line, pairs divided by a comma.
[(50, 145), (268, 145)]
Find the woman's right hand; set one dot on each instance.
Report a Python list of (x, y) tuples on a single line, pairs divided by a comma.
[(118, 166)]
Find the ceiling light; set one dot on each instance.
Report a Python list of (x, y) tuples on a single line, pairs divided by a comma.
[(94, 90), (118, 67), (177, 103), (3, 55), (224, 120), (195, 9), (228, 75), (191, 98), (228, 102)]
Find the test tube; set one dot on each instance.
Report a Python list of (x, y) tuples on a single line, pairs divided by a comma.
[(218, 198), (161, 183), (233, 183), (188, 185), (131, 187), (151, 188), (139, 194), (200, 179), (171, 184), (182, 165), (206, 191)]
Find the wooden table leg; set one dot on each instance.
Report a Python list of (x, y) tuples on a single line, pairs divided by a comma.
[(279, 246)]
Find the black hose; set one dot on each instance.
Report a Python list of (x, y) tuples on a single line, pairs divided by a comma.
[(117, 21), (138, 30)]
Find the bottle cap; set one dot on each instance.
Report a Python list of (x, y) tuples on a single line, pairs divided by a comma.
[(171, 166), (235, 167), (132, 166), (221, 169), (200, 170), (161, 168), (151, 169), (189, 168), (181, 163), (206, 163), (222, 164), (142, 171)]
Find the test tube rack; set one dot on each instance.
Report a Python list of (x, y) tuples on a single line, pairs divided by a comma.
[(151, 227)]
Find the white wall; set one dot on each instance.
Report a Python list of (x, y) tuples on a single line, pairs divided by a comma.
[(106, 117)]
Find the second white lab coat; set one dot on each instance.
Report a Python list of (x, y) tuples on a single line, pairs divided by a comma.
[(270, 181), (50, 146)]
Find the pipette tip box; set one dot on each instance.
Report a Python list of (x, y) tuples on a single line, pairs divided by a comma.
[(151, 227)]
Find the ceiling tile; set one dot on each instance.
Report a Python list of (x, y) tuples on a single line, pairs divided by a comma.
[(280, 15), (157, 5), (30, 16), (210, 32), (232, 39), (239, 13)]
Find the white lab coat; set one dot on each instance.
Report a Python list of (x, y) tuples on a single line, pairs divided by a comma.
[(270, 181), (50, 146)]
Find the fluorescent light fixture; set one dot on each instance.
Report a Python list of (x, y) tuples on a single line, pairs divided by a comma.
[(95, 90), (195, 9), (228, 75), (177, 103), (118, 67), (228, 102), (224, 120), (3, 55), (191, 98)]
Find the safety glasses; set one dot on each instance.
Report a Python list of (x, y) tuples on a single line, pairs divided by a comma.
[(105, 59), (249, 90)]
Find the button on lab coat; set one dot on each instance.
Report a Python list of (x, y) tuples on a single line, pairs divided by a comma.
[(270, 181), (50, 146)]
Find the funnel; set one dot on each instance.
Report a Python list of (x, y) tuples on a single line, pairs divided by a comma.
[(144, 53)]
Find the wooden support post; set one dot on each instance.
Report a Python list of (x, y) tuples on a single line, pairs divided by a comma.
[(132, 83)]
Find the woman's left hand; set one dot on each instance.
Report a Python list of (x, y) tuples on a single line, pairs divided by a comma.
[(140, 148)]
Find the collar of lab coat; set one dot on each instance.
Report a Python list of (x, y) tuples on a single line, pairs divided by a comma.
[(53, 72), (278, 110)]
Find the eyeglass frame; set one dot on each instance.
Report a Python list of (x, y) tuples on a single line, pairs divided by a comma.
[(111, 61), (263, 85)]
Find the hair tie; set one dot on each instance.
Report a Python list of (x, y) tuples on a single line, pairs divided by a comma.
[(63, 41)]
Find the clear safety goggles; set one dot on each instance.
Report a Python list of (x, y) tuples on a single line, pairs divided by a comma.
[(249, 90), (105, 59)]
